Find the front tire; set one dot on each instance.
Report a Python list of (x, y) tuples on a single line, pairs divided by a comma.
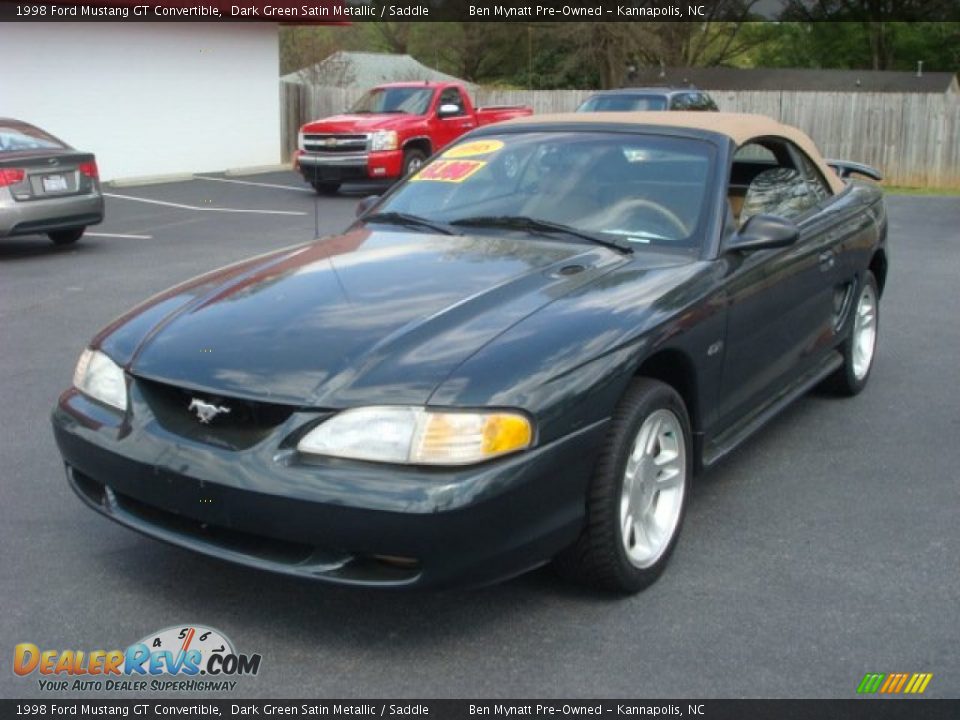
[(66, 237), (638, 494), (860, 347), (413, 160)]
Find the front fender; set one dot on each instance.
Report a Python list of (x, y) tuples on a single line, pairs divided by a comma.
[(569, 363)]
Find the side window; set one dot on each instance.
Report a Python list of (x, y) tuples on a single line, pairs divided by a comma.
[(451, 96), (707, 103), (764, 171), (684, 101), (818, 186), (754, 152)]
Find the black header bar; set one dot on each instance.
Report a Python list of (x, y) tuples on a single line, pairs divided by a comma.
[(855, 709), (524, 11)]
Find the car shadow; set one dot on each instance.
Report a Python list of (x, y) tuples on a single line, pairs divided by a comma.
[(32, 246), (202, 589), (794, 415), (362, 191)]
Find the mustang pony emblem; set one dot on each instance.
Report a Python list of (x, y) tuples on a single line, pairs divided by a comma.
[(207, 411)]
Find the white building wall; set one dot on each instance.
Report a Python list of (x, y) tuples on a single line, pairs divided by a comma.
[(148, 98)]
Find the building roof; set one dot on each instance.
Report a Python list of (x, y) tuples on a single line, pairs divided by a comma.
[(718, 78), (366, 69), (739, 127)]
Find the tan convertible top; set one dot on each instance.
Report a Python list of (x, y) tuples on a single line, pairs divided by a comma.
[(739, 127)]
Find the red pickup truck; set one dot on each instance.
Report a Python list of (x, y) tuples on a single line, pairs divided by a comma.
[(389, 132)]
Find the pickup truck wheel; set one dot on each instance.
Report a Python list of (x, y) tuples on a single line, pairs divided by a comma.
[(326, 188), (638, 494), (66, 237), (859, 348), (412, 161)]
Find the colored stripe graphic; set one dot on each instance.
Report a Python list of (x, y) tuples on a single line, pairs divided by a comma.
[(894, 683), (898, 678), (918, 683), (870, 683), (890, 683)]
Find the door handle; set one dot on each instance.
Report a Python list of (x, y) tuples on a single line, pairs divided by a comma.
[(827, 260)]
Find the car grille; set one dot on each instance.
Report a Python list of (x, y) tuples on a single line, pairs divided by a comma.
[(326, 143), (247, 422)]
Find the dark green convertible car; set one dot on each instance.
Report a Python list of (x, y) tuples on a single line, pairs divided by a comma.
[(523, 353)]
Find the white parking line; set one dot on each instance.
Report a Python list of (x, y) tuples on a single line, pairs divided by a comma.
[(204, 209), (119, 235), (258, 184)]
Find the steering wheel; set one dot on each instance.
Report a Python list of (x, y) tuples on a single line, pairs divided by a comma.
[(630, 204)]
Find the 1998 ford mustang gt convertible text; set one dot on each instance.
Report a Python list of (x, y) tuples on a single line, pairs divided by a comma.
[(524, 352)]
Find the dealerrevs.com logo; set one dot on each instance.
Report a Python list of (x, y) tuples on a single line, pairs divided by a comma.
[(180, 658)]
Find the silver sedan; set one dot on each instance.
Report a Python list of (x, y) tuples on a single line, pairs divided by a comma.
[(46, 187)]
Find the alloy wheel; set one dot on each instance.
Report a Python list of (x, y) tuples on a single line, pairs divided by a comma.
[(654, 483), (864, 332)]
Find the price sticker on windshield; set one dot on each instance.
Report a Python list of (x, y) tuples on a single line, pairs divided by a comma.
[(473, 149), (455, 171)]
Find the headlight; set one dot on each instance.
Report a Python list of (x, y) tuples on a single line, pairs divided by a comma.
[(300, 145), (384, 140), (416, 436), (101, 378)]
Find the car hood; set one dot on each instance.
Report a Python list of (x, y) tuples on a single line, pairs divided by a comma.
[(363, 122), (365, 317)]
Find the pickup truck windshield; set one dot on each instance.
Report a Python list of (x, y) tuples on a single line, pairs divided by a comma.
[(631, 190), (410, 100), (623, 103)]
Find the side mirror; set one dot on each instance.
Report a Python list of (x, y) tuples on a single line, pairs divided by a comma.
[(368, 202), (448, 110), (764, 232)]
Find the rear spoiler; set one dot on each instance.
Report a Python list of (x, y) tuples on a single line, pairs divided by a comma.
[(846, 168)]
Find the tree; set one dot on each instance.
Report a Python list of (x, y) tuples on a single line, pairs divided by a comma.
[(395, 36), (474, 51), (879, 20), (719, 40), (824, 44), (303, 46), (607, 48)]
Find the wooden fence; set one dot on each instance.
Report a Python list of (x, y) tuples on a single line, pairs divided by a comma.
[(913, 138)]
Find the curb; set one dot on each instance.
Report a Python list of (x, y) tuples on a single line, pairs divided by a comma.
[(256, 170), (148, 180)]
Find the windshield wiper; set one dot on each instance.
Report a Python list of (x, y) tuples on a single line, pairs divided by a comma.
[(408, 220), (522, 222)]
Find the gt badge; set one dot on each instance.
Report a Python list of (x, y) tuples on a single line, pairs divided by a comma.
[(207, 411)]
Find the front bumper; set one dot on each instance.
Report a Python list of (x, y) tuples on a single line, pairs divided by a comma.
[(343, 522), (349, 167), (29, 217)]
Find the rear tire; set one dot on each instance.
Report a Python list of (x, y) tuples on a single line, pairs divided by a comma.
[(859, 349), (413, 160), (326, 188), (638, 494), (66, 237)]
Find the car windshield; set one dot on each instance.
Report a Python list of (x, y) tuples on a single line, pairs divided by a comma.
[(410, 100), (632, 190), (25, 137), (623, 103)]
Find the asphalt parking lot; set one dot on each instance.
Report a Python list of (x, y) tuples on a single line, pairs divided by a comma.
[(825, 548)]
